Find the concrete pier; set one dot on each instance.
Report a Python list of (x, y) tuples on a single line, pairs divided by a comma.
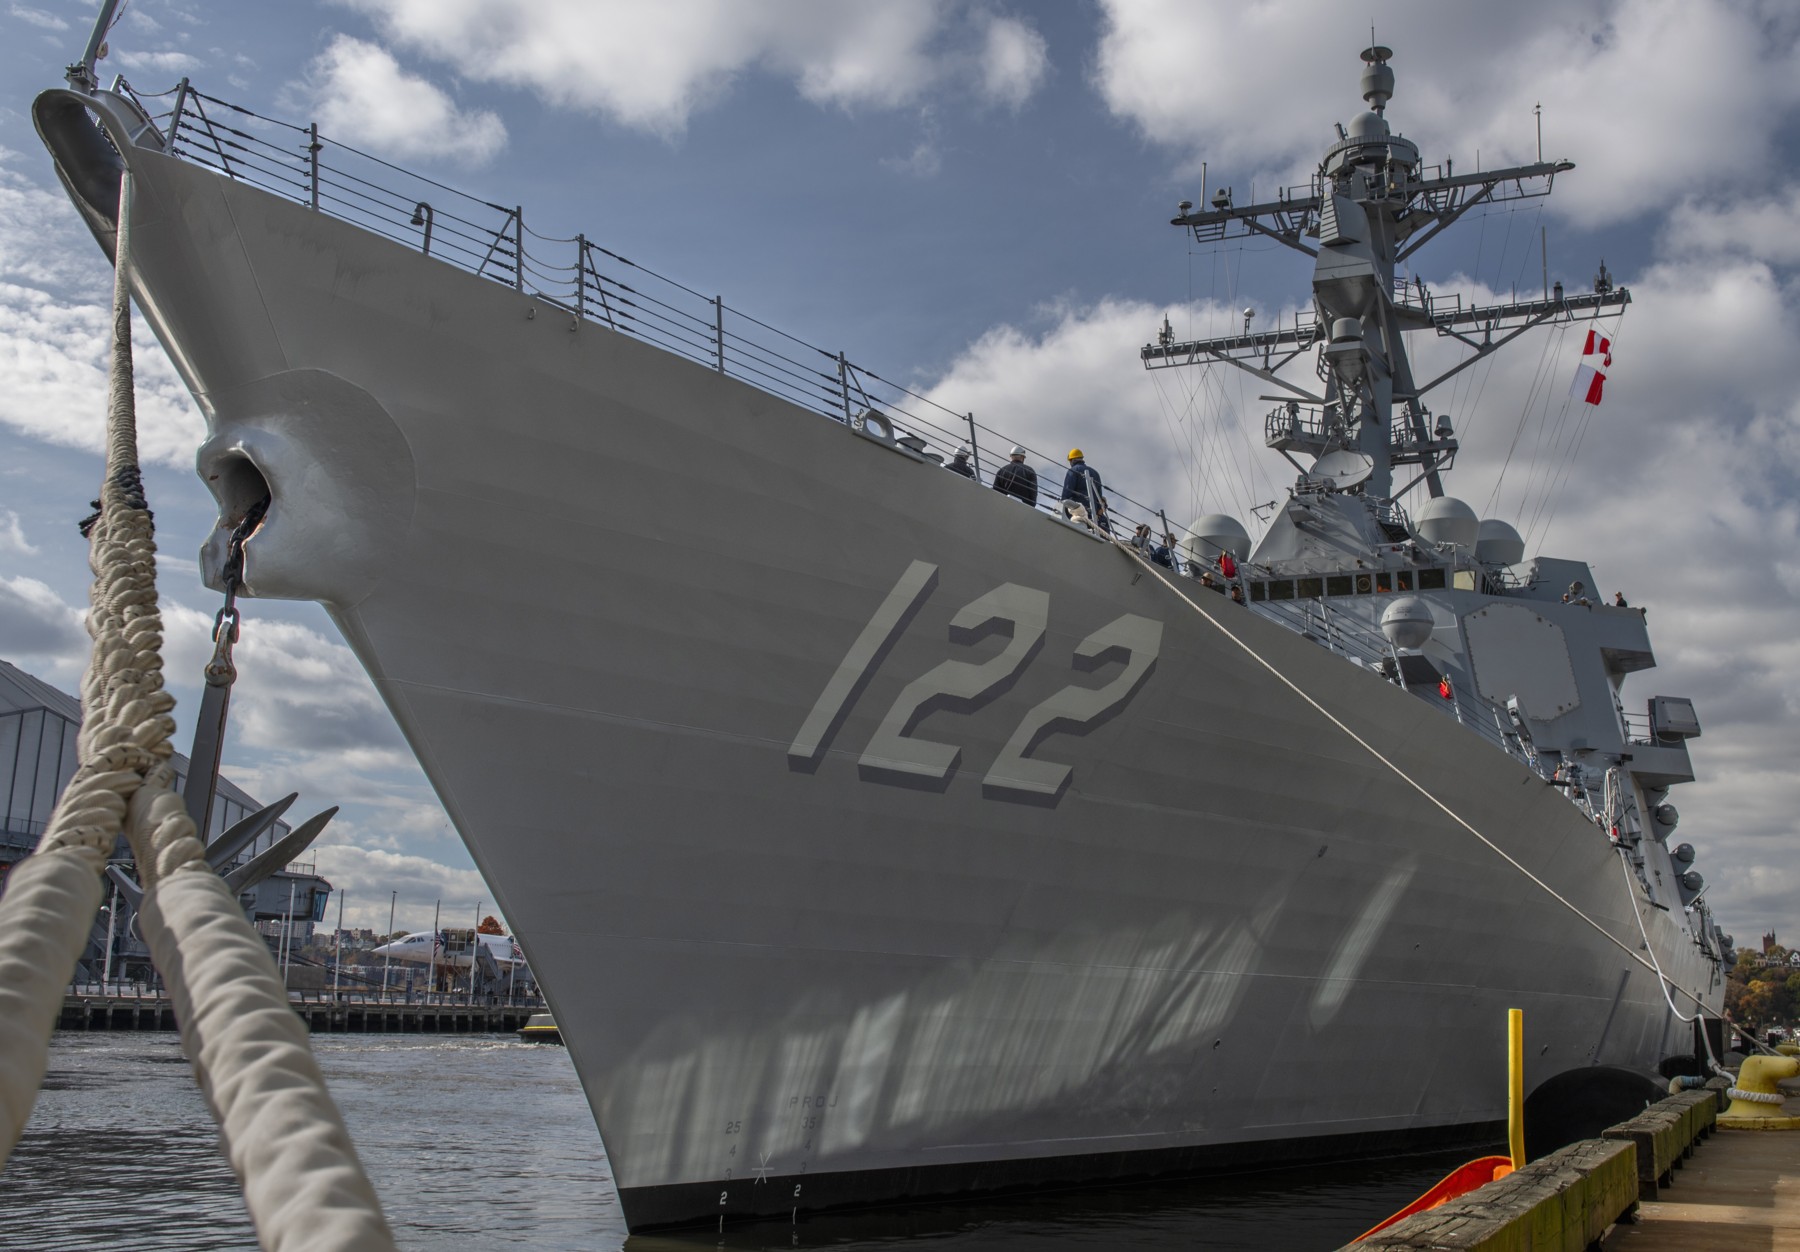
[(1668, 1180), (1739, 1193), (130, 1008)]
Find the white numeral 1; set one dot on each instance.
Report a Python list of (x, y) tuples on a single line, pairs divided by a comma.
[(859, 664)]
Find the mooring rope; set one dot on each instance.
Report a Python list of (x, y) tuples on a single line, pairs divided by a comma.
[(284, 1137), (1397, 771)]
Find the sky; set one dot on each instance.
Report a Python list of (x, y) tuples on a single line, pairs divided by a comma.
[(973, 198)]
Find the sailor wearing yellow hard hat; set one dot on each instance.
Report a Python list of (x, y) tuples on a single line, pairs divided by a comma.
[(1082, 486)]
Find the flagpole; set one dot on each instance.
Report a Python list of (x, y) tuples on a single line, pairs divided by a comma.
[(387, 958), (437, 937), (287, 931), (337, 958), (112, 920), (474, 951)]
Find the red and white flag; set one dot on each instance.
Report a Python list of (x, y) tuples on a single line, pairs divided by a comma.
[(1598, 345), (1588, 384)]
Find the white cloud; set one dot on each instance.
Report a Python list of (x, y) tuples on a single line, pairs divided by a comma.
[(1767, 228), (36, 623), (1231, 83), (1014, 60), (298, 693), (877, 54), (37, 17), (12, 535), (368, 875), (167, 61), (139, 21), (360, 94), (651, 67), (924, 161), (56, 329), (42, 242), (53, 368)]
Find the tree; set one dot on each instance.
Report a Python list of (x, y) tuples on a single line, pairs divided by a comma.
[(490, 926), (1765, 1000), (1735, 986)]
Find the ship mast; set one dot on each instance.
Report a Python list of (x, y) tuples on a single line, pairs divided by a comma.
[(81, 75), (1370, 206)]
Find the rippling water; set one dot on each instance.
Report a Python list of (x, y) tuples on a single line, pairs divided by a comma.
[(483, 1142)]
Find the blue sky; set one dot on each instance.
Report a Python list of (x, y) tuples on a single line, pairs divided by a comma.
[(972, 197)]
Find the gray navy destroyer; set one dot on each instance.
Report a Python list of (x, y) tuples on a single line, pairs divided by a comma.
[(874, 835)]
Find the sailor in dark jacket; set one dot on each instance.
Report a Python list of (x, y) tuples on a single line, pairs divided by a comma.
[(1082, 486), (1017, 479), (959, 464)]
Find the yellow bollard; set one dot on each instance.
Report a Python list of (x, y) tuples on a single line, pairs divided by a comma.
[(1515, 1085), (1755, 1102)]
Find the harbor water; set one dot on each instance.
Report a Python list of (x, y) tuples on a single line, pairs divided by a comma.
[(480, 1142)]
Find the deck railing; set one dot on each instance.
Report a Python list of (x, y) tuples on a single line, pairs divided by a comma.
[(1356, 640), (594, 284), (590, 282)]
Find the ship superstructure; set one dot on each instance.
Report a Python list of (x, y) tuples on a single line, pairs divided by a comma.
[(914, 841), (1528, 654)]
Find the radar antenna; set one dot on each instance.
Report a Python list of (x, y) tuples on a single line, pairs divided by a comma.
[(1370, 206)]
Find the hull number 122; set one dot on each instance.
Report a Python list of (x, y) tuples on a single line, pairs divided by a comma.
[(1021, 613)]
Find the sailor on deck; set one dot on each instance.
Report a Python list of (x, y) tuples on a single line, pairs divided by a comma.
[(1017, 479), (1146, 543), (1082, 486)]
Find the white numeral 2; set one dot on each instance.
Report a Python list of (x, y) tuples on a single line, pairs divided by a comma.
[(959, 685), (1077, 709), (894, 755)]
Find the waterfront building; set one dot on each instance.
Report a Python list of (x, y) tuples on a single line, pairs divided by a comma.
[(38, 727)]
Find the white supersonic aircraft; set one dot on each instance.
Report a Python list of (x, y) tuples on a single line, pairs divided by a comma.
[(426, 948)]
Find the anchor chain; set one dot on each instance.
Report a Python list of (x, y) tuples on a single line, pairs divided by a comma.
[(228, 623), (221, 672)]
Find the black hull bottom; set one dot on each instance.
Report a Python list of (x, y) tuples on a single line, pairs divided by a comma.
[(710, 1204)]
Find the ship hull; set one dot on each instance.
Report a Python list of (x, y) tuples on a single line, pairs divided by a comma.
[(734, 708)]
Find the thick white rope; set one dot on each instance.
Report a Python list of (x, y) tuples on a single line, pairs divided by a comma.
[(45, 916), (52, 898), (1755, 1097), (1663, 981), (1401, 774), (286, 1140)]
